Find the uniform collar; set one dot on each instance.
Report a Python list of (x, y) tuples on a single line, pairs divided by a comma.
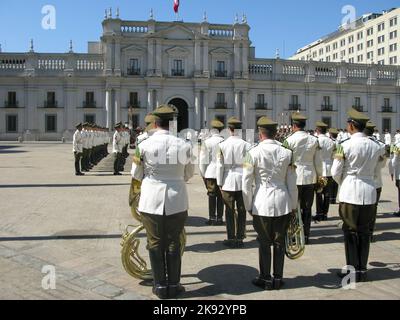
[(358, 135), (160, 132), (268, 141)]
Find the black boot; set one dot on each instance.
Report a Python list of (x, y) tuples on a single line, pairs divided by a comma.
[(264, 281), (351, 252), (212, 207), (279, 262), (220, 211), (174, 261), (363, 250), (157, 261)]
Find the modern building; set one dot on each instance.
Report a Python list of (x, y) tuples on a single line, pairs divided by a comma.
[(373, 38), (206, 70)]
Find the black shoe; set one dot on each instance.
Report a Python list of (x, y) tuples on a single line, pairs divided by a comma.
[(278, 284), (263, 284), (219, 223), (175, 291), (239, 244), (79, 174), (397, 214), (229, 243), (307, 240), (161, 292), (373, 239), (317, 218), (211, 222), (325, 218), (117, 174), (362, 276)]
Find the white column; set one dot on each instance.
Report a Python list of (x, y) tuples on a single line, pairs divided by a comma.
[(246, 112), (149, 101), (236, 57), (197, 57), (117, 57), (197, 110), (117, 105), (159, 57), (245, 61), (205, 57), (150, 56), (108, 57), (206, 118), (237, 104), (108, 109)]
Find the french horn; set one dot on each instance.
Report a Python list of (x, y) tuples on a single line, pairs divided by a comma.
[(295, 237), (132, 261), (322, 182)]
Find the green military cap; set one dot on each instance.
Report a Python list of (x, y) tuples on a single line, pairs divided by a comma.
[(370, 125), (234, 121), (85, 124), (217, 124), (117, 126), (151, 126), (265, 122), (320, 124), (333, 131), (165, 112), (149, 118), (357, 116), (297, 116), (79, 125)]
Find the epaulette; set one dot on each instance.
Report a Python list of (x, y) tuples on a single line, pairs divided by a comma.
[(285, 145), (254, 145), (374, 140), (344, 141)]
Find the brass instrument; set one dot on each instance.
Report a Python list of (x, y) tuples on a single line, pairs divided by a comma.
[(132, 262), (295, 237), (322, 182)]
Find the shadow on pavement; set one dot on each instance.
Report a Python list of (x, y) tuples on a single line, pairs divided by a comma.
[(72, 185), (10, 150)]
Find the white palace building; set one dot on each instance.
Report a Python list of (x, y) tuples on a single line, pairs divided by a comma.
[(206, 70)]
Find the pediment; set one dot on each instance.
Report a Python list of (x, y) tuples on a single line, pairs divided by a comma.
[(220, 52), (178, 32), (134, 48), (177, 51)]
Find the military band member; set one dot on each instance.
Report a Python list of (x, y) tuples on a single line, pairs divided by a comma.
[(208, 170), (117, 149), (148, 120), (164, 200), (333, 134), (354, 168), (369, 132), (304, 147), (77, 148), (230, 159), (268, 167), (394, 170), (325, 153)]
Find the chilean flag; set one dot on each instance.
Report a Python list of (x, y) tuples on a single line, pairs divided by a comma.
[(176, 6)]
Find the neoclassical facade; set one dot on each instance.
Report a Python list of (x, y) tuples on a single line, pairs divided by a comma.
[(206, 70)]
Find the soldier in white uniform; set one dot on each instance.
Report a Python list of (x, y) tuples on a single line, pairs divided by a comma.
[(354, 169), (117, 149), (325, 154), (333, 134), (163, 163), (230, 159), (148, 120), (208, 170), (77, 148), (268, 167), (388, 141), (397, 137), (304, 147), (394, 170), (369, 130)]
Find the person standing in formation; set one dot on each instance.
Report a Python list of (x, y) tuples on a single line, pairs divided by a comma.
[(356, 162), (333, 134), (394, 170), (268, 166), (388, 141), (117, 149), (230, 157), (208, 170), (397, 137), (304, 147), (77, 148), (325, 153), (163, 165)]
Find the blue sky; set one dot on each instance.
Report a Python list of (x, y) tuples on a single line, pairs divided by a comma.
[(284, 24)]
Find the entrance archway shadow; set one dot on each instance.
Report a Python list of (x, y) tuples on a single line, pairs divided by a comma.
[(232, 279), (183, 115)]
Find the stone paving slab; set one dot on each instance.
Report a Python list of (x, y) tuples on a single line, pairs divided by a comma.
[(51, 217)]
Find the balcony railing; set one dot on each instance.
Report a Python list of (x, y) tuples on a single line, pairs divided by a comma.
[(294, 107), (261, 106), (89, 104), (221, 105), (11, 104), (387, 109), (133, 104), (133, 72), (178, 72), (326, 107), (50, 104), (221, 73), (359, 108)]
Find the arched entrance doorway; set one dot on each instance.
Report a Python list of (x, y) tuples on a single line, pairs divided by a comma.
[(183, 117)]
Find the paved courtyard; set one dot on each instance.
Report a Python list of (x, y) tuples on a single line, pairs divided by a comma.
[(49, 217)]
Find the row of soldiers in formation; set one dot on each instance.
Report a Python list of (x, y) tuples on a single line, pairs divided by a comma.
[(270, 180), (90, 146), (121, 143)]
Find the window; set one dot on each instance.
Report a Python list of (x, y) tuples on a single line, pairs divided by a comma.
[(393, 35), (386, 102), (351, 39), (360, 46), (51, 123), (12, 100), (343, 54), (178, 68), (351, 50), (220, 103), (370, 55), (260, 101), (357, 102), (393, 47), (221, 97), (381, 27), (221, 71), (393, 60), (51, 100), (89, 118), (133, 100), (294, 103), (370, 31), (314, 54), (328, 49), (11, 123), (326, 101), (381, 39), (393, 22), (370, 43), (133, 67), (321, 52), (328, 121), (360, 58), (328, 59), (360, 35), (89, 102), (387, 124), (351, 60), (335, 56), (335, 46), (381, 62), (381, 51), (342, 42)]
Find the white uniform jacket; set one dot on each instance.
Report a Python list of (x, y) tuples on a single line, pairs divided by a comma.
[(304, 147), (354, 169), (325, 152), (208, 156), (394, 163), (381, 164), (164, 167), (268, 166), (230, 159), (77, 143), (141, 138), (388, 139), (117, 142)]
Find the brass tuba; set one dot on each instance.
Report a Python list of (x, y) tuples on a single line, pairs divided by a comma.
[(322, 182), (295, 237), (132, 262)]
